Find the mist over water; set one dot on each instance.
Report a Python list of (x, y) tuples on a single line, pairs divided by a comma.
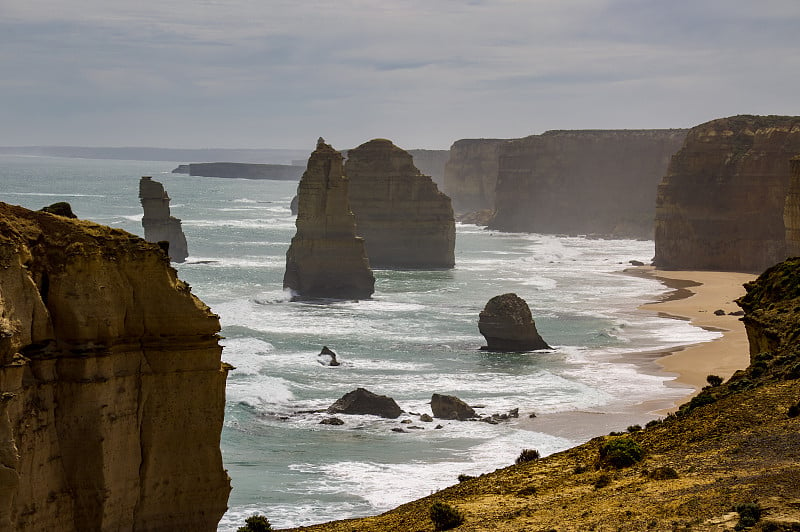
[(416, 336)]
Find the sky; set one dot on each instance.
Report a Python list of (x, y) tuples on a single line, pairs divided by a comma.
[(423, 73)]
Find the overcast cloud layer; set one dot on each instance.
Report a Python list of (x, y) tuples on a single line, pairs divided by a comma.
[(274, 73)]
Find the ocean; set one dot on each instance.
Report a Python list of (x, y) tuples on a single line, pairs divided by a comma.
[(418, 335)]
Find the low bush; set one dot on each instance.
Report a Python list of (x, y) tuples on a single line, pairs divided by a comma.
[(445, 517), (255, 523), (794, 410), (714, 380), (620, 452), (463, 478), (634, 428), (602, 481), (527, 455), (663, 473), (749, 514)]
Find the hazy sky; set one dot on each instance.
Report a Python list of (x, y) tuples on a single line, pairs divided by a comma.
[(424, 73)]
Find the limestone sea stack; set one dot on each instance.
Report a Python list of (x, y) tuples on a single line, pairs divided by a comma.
[(326, 259), (112, 392), (507, 324), (405, 220), (158, 225), (722, 203)]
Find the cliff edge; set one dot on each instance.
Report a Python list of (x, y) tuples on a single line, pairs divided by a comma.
[(112, 392)]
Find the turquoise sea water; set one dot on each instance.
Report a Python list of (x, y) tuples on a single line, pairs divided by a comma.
[(416, 336)]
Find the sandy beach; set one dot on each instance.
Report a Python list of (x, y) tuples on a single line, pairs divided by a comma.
[(695, 296)]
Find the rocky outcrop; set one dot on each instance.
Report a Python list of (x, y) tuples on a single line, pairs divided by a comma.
[(721, 204), (404, 219), (451, 407), (507, 324), (278, 172), (112, 392), (158, 225), (363, 402), (791, 210), (470, 175), (326, 259), (60, 208), (596, 182)]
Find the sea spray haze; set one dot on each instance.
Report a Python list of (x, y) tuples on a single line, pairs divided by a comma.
[(416, 336)]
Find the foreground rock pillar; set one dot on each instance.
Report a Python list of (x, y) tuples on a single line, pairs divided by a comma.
[(158, 225), (326, 259)]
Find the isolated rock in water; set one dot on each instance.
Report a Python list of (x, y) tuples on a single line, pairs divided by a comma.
[(451, 407), (326, 259), (362, 401), (328, 354), (158, 225), (405, 220), (507, 325), (331, 421), (61, 208), (112, 418)]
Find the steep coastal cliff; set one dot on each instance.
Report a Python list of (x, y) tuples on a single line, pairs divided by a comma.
[(158, 225), (791, 210), (470, 174), (432, 163), (583, 182), (326, 259), (725, 460), (721, 204), (404, 219), (112, 392)]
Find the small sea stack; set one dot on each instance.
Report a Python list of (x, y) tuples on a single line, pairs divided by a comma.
[(158, 225), (326, 259), (508, 326)]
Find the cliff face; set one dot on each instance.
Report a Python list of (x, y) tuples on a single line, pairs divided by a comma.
[(470, 174), (112, 392), (721, 204), (404, 219), (158, 224), (326, 259), (431, 162), (583, 182), (791, 210)]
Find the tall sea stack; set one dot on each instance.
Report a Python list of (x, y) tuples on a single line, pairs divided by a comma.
[(158, 225), (405, 220), (326, 259), (112, 392), (722, 203)]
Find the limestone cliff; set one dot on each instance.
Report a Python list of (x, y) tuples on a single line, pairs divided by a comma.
[(431, 162), (405, 220), (470, 174), (112, 392), (326, 259), (791, 210), (583, 182), (158, 225), (721, 203)]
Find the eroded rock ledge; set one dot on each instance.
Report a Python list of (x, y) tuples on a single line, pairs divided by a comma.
[(112, 387)]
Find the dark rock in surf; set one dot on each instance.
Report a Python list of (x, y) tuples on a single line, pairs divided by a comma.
[(508, 326), (331, 421), (451, 407), (331, 356), (362, 401)]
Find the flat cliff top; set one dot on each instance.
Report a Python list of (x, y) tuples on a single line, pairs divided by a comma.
[(736, 443)]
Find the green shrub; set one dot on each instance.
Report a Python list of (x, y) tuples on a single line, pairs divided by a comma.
[(255, 523), (794, 410), (714, 380), (749, 514), (445, 517), (602, 481), (620, 452), (527, 455), (652, 423), (463, 478), (634, 428)]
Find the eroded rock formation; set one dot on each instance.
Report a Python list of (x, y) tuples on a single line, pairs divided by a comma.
[(721, 204), (326, 259), (158, 225), (405, 220), (507, 324), (470, 174), (112, 392), (362, 401), (791, 210), (583, 182)]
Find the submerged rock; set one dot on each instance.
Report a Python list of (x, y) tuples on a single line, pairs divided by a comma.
[(507, 325), (451, 407), (326, 259), (158, 225), (363, 401)]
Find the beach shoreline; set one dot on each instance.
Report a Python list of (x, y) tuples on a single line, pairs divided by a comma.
[(694, 296)]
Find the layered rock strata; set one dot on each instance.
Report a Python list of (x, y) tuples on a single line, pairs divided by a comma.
[(405, 220), (721, 204), (595, 182), (158, 225), (507, 324), (791, 210), (470, 175), (112, 392), (326, 259)]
